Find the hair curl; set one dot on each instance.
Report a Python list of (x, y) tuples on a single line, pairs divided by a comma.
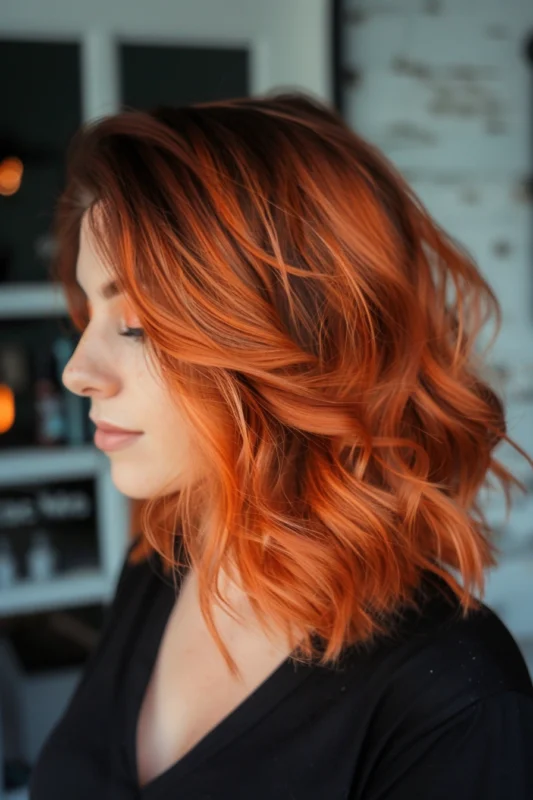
[(317, 328)]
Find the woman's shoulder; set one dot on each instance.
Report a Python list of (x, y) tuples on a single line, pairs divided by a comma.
[(449, 704), (437, 661)]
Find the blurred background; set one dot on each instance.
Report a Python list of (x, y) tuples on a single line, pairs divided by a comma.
[(443, 87)]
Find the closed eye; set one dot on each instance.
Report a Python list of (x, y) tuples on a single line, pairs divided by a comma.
[(133, 333)]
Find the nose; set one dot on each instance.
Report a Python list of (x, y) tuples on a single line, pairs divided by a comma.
[(88, 374)]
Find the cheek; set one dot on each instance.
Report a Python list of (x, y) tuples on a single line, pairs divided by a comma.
[(173, 436), (168, 440), (157, 463)]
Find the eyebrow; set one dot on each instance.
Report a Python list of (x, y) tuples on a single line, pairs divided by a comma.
[(108, 291)]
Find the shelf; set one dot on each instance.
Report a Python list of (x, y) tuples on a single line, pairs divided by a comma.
[(21, 464), (26, 300), (74, 588)]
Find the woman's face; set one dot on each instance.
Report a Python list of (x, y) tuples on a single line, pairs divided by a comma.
[(125, 387)]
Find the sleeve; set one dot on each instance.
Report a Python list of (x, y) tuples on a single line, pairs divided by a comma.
[(484, 752)]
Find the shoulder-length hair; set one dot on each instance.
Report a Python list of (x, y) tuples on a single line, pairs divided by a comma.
[(317, 328)]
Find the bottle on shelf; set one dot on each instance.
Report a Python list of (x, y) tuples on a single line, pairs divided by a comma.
[(50, 422), (8, 564), (73, 404), (41, 557)]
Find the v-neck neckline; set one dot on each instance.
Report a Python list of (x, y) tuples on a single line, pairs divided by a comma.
[(277, 685)]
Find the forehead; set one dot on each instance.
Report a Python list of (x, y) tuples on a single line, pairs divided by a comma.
[(92, 273)]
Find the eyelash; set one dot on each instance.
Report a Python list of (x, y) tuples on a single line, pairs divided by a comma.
[(133, 333)]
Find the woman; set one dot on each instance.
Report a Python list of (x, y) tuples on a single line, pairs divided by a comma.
[(268, 310)]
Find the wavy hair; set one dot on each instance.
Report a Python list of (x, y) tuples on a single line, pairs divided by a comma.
[(317, 328)]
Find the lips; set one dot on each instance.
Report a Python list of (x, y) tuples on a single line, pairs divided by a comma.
[(112, 429), (109, 428), (114, 439)]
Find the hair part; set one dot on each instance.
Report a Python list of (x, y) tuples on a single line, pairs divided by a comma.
[(317, 329)]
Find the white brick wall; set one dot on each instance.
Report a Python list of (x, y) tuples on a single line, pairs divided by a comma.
[(444, 89)]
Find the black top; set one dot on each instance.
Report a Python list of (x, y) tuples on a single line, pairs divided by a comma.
[(443, 709)]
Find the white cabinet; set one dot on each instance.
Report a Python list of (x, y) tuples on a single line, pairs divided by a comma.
[(79, 587)]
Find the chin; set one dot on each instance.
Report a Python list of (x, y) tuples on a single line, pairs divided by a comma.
[(131, 481), (141, 484)]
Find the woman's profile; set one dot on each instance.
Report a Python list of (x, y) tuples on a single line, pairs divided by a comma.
[(288, 342)]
